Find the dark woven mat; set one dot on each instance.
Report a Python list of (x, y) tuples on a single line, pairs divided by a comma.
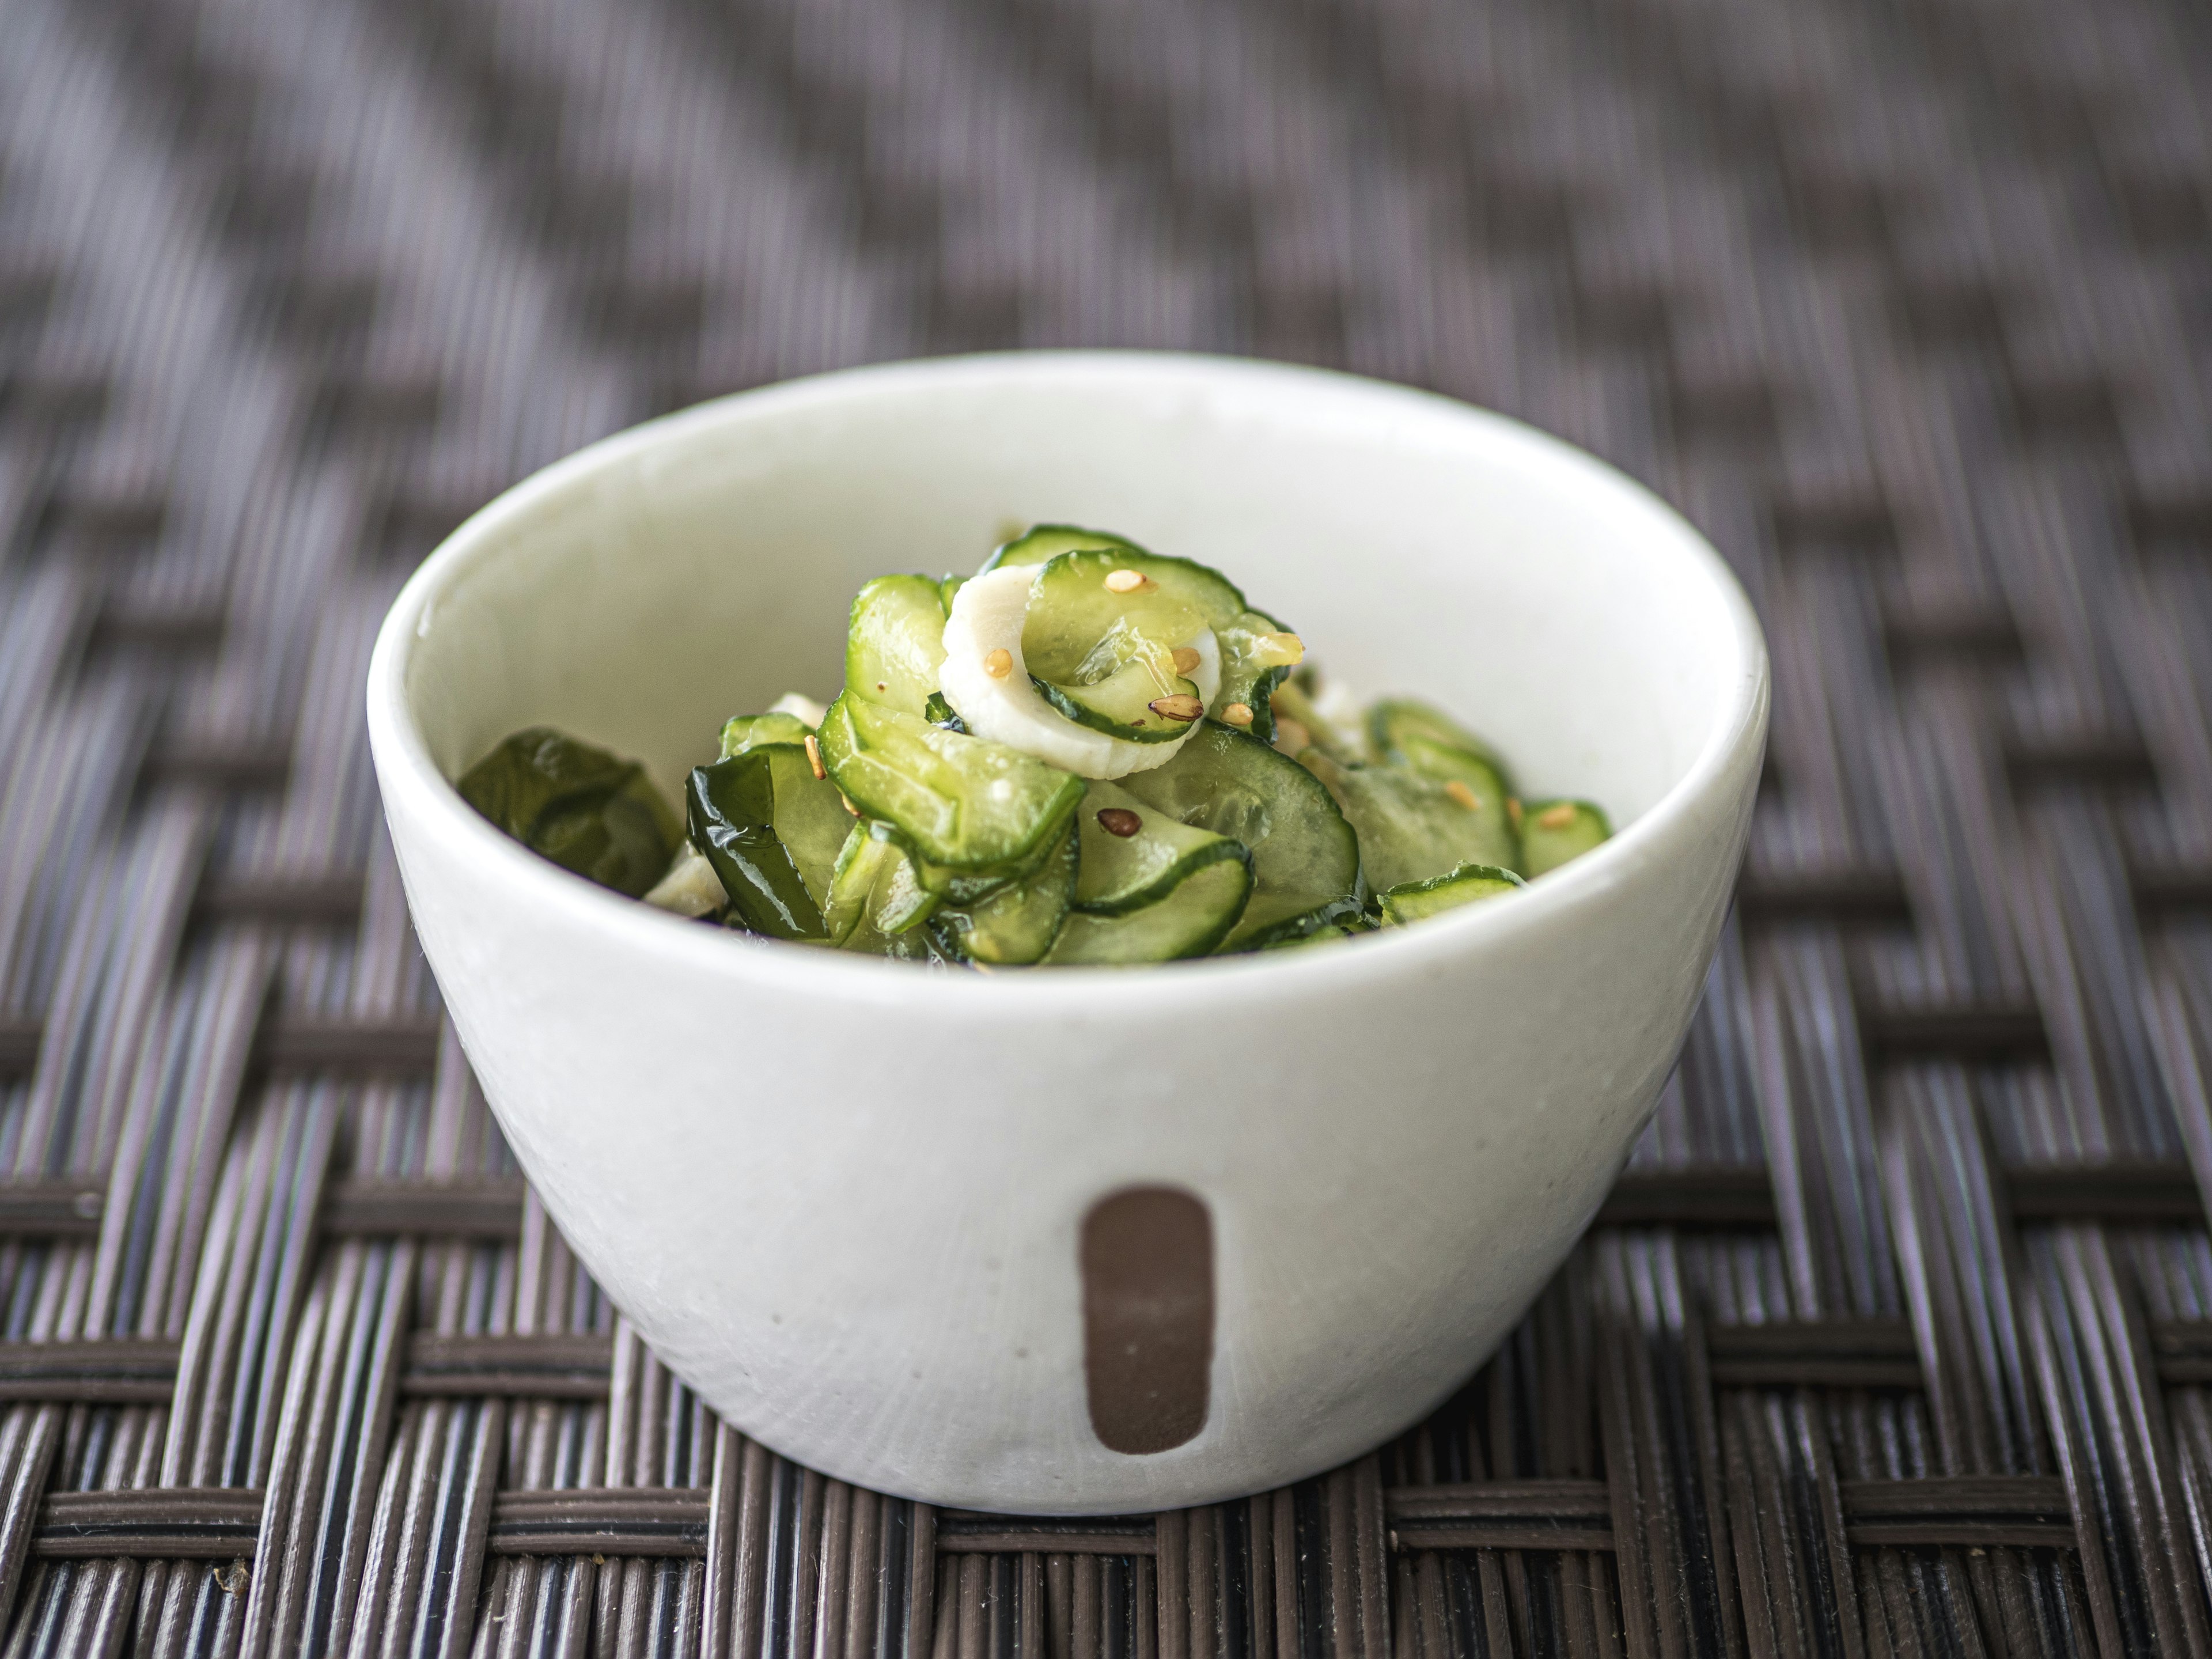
[(1895, 1339)]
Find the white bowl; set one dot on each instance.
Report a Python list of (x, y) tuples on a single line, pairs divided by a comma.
[(846, 1199)]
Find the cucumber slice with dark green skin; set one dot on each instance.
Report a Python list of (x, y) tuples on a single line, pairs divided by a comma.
[(1257, 652), (1305, 860), (874, 881), (1121, 704), (745, 731), (977, 807), (1471, 780), (937, 712), (946, 587), (1555, 831), (1416, 901), (1047, 542), (896, 643), (1148, 888), (1017, 924), (1105, 658), (1253, 664), (731, 806), (1410, 827), (1401, 728), (587, 810), (811, 821)]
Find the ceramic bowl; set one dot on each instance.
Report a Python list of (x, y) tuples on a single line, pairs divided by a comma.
[(1078, 1241)]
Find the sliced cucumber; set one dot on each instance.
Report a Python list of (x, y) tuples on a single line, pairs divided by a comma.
[(1476, 784), (732, 808), (1104, 656), (751, 730), (1254, 661), (1186, 923), (1078, 632), (572, 802), (1555, 831), (1149, 888), (1018, 923), (896, 643), (1305, 860), (1132, 703), (1410, 827), (975, 806), (937, 712), (1416, 901), (1396, 725), (811, 821), (946, 587), (1048, 541), (874, 881)]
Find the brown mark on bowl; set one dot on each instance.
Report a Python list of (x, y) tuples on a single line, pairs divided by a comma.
[(1147, 1253)]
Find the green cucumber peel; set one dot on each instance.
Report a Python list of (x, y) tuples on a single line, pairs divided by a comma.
[(1401, 728), (1017, 924), (732, 808), (588, 810), (1411, 828), (1547, 846), (895, 644), (745, 731), (1305, 857), (973, 806), (1416, 901)]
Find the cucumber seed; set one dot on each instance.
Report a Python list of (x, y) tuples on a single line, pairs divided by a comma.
[(998, 663), (1238, 713), (1465, 796), (1185, 660), (1556, 817), (814, 757), (1124, 581), (1179, 707), (1119, 821)]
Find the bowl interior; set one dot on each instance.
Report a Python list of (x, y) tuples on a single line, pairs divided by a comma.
[(642, 591)]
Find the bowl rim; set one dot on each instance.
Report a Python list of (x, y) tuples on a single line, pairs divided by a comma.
[(406, 771)]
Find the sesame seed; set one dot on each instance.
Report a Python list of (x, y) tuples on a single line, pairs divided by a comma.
[(1183, 708), (1556, 817), (1466, 797), (1185, 660), (1290, 735), (1124, 581), (998, 663), (814, 756), (1513, 809), (882, 685), (1238, 713), (846, 800), (1119, 821)]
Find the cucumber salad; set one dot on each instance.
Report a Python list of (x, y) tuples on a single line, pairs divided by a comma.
[(1084, 754)]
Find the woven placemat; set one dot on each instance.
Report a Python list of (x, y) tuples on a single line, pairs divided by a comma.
[(1895, 1339)]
